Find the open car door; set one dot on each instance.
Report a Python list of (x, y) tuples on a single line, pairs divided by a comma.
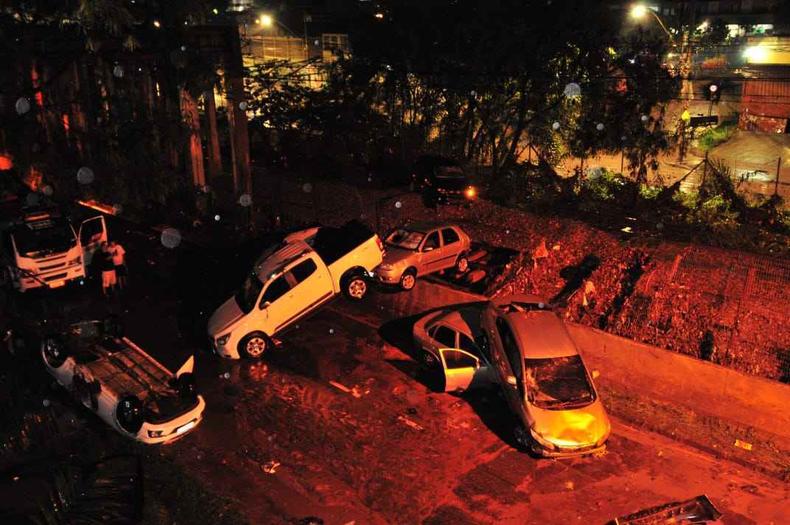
[(461, 369), (93, 232)]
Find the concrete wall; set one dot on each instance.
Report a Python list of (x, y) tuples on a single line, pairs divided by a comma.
[(631, 367), (704, 387)]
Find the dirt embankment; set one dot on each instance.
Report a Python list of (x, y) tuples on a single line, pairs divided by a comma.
[(725, 306)]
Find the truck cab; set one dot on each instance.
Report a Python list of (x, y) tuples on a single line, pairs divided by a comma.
[(40, 248)]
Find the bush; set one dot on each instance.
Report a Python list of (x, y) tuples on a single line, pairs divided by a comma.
[(712, 137)]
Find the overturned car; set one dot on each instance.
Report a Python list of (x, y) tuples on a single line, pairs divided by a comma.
[(122, 384)]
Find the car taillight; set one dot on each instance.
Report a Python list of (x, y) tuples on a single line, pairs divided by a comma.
[(379, 243)]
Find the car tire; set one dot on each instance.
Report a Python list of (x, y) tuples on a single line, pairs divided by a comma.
[(54, 351), (408, 279), (429, 361), (462, 263), (185, 384), (254, 345), (129, 414), (355, 286), (522, 437)]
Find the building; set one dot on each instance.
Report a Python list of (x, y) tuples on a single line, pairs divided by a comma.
[(765, 97)]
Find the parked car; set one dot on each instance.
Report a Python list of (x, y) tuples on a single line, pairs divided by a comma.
[(544, 378), (289, 281), (122, 384), (422, 249), (447, 342), (442, 180)]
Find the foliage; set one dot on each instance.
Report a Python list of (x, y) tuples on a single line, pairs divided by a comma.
[(712, 137)]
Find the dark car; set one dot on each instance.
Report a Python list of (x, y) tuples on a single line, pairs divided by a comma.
[(442, 180)]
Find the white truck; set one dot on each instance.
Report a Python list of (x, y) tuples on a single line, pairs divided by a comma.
[(289, 281), (40, 248)]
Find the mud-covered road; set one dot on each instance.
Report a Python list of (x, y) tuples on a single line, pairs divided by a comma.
[(339, 423)]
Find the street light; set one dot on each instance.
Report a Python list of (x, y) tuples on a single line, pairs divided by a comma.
[(639, 11), (266, 20)]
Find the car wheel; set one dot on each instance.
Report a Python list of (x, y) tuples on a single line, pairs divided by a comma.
[(355, 287), (54, 351), (408, 279), (429, 360), (522, 437), (129, 414), (185, 384), (254, 345), (462, 264)]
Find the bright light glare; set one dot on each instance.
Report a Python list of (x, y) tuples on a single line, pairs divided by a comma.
[(379, 15), (755, 53), (638, 11), (266, 20)]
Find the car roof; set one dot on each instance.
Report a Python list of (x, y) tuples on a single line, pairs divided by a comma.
[(425, 226), (464, 320), (541, 334)]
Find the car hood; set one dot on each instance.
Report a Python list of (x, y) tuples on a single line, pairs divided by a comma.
[(396, 256), (574, 427), (224, 317)]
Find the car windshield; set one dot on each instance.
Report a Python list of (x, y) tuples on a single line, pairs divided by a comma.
[(248, 294), (48, 235), (405, 239), (559, 382)]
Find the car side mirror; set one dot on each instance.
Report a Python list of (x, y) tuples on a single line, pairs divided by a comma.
[(511, 380), (265, 304), (596, 374)]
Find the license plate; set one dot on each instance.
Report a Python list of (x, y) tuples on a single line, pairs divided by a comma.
[(57, 284), (185, 428)]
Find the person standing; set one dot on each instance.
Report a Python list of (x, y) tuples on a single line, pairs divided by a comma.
[(119, 261), (108, 277)]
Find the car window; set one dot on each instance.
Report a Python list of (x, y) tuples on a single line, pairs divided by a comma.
[(276, 289), (510, 346), (456, 359), (303, 270), (450, 236), (465, 343), (432, 241), (445, 336)]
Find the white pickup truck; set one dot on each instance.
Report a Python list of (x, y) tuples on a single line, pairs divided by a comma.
[(290, 280)]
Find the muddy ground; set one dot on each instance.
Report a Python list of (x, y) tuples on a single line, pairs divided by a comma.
[(726, 306)]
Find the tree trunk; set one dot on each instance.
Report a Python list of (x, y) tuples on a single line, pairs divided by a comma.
[(189, 112), (214, 157), (237, 118)]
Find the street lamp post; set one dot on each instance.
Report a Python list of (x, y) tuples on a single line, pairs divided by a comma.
[(639, 11)]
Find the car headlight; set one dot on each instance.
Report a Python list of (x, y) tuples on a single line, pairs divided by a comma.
[(156, 433), (221, 340), (76, 260)]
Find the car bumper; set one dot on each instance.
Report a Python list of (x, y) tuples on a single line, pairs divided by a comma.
[(389, 276), (174, 429), (567, 452), (51, 279)]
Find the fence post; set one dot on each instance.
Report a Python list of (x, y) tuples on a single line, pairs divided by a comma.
[(778, 171)]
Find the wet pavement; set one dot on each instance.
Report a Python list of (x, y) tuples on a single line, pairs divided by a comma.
[(338, 422)]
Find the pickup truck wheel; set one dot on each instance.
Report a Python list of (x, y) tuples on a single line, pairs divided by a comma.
[(462, 264), (355, 287), (408, 279), (254, 345)]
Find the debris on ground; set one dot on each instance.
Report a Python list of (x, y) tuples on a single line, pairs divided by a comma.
[(408, 422), (270, 467)]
